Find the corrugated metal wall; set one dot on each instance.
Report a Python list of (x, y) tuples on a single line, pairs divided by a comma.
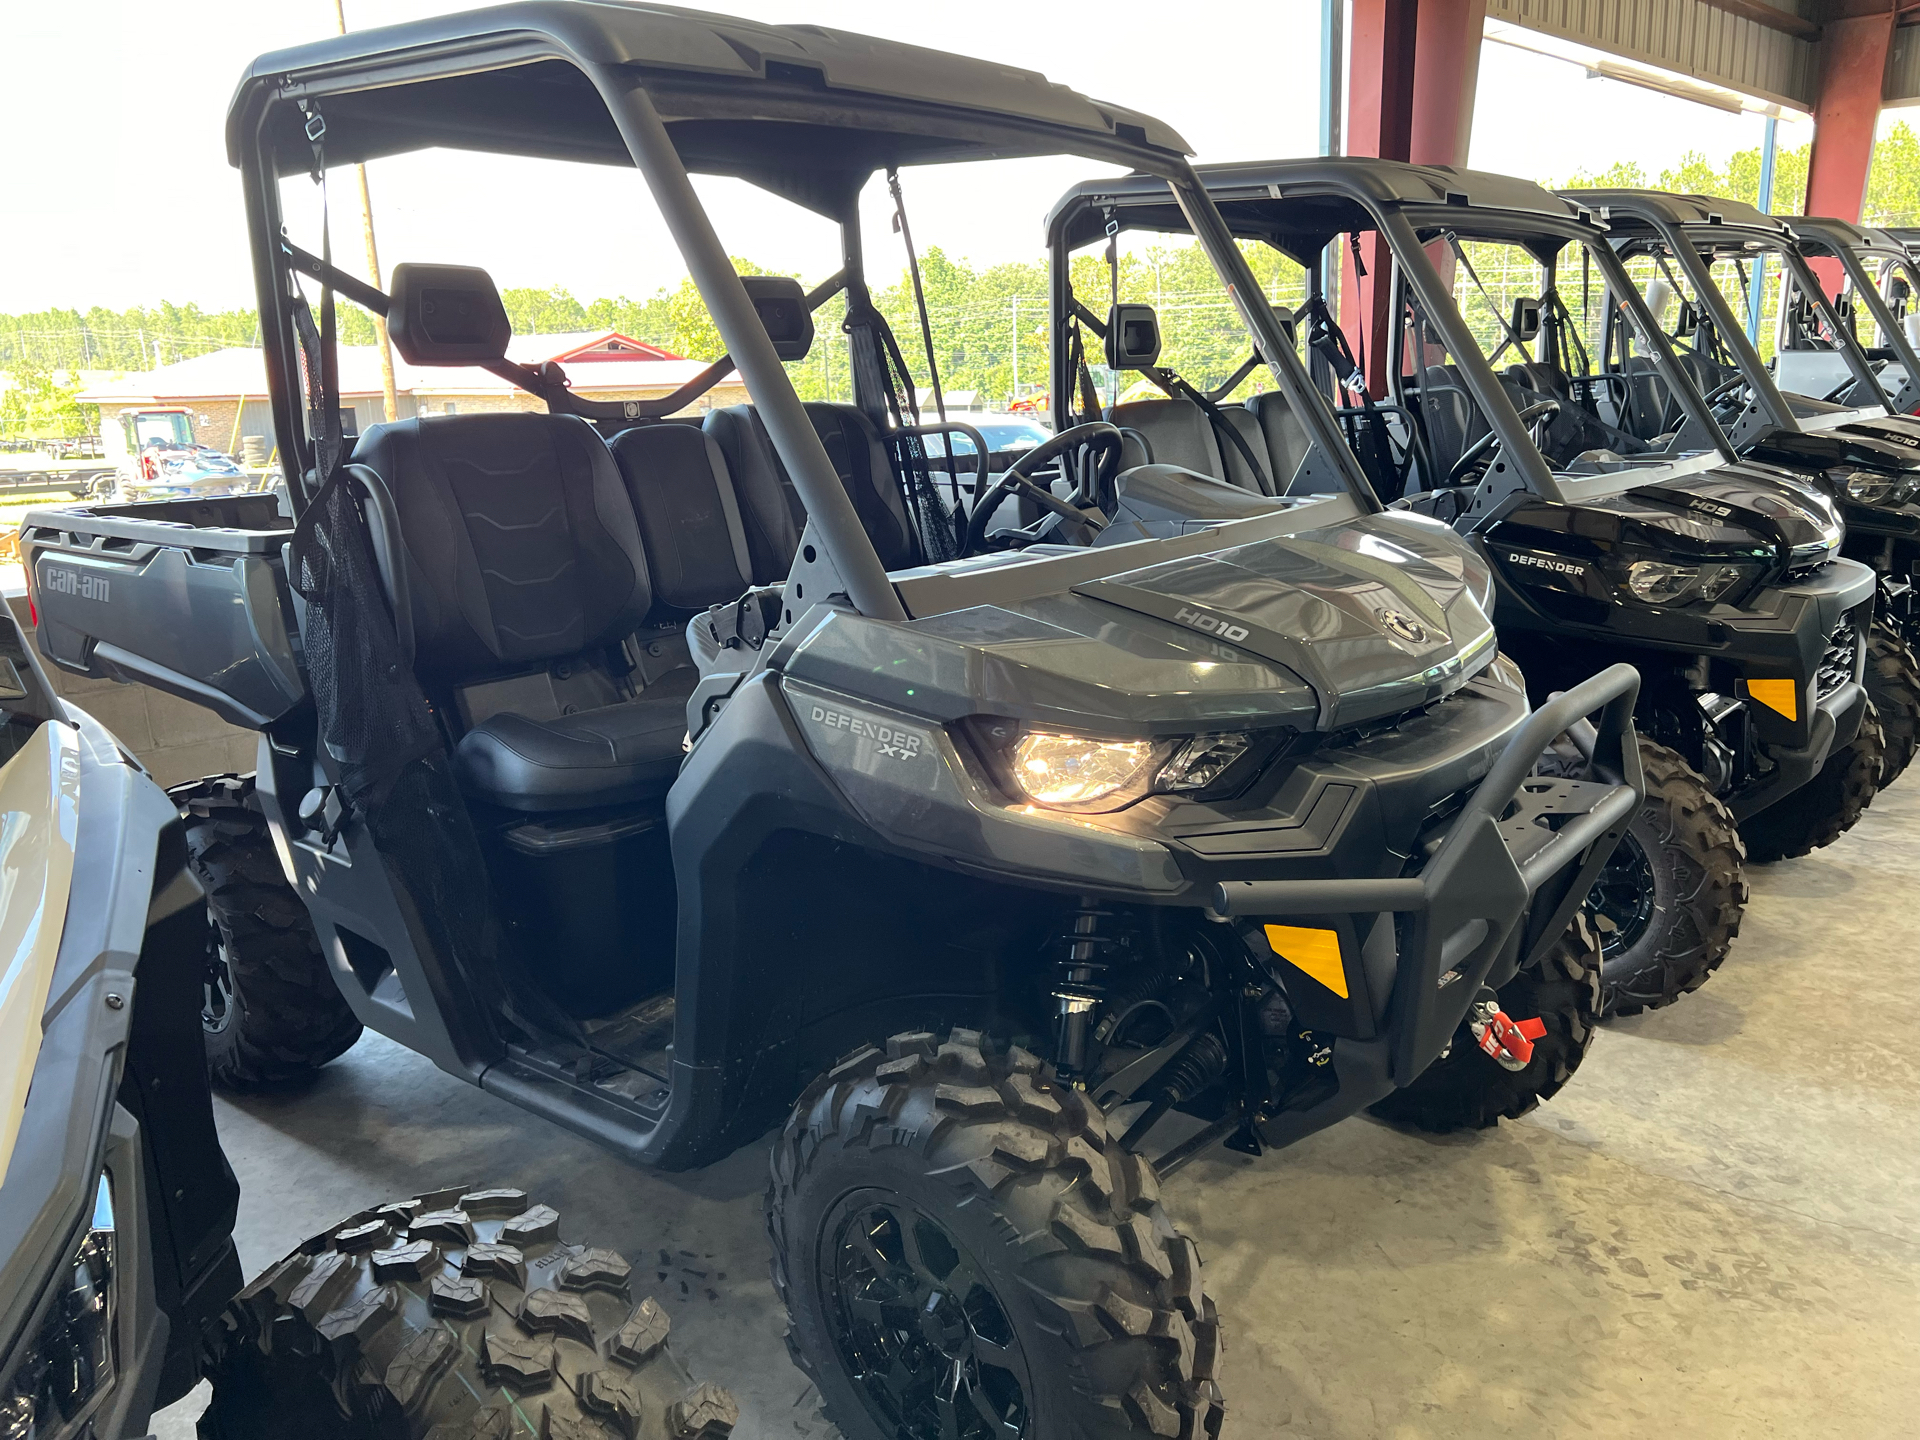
[(1686, 36), (1903, 68)]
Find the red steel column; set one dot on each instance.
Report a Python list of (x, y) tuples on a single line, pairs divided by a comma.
[(1852, 72), (1446, 72), (1380, 90)]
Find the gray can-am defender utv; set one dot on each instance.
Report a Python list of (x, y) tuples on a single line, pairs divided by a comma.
[(1240, 823), (1711, 254), (117, 1260), (1717, 579)]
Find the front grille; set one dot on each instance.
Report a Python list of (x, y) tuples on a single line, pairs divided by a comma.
[(1838, 661)]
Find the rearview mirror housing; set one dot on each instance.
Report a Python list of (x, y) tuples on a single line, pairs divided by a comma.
[(1133, 337), (1526, 318), (782, 307), (447, 315)]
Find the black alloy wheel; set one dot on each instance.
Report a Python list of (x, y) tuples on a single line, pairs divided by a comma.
[(927, 1341), (1623, 899)]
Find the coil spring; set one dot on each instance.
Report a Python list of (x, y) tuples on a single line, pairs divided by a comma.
[(1080, 986)]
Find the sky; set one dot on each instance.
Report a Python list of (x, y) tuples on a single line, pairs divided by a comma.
[(117, 192)]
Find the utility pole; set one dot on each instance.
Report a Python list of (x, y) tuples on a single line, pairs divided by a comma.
[(1016, 348), (1757, 289), (387, 391)]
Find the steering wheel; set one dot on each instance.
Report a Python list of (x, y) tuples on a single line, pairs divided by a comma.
[(1724, 389), (1016, 478), (1539, 410)]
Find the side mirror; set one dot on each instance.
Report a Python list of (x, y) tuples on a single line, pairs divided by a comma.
[(1133, 337), (446, 315), (782, 307), (1688, 322), (1526, 318)]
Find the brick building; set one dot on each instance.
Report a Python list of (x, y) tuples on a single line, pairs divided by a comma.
[(225, 391)]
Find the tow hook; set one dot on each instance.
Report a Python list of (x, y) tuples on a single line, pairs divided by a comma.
[(1508, 1041)]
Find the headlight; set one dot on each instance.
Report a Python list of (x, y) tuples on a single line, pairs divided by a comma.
[(1090, 774), (1873, 487), (1078, 772), (1659, 583), (1200, 762)]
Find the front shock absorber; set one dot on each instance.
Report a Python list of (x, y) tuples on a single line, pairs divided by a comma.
[(1080, 985)]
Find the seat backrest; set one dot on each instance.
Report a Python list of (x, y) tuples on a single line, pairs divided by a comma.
[(1285, 439), (1174, 432), (770, 507), (771, 514), (515, 544), (865, 466), (1451, 418), (1650, 397), (690, 524)]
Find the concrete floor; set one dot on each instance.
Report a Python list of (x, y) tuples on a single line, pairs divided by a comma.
[(1712, 1231)]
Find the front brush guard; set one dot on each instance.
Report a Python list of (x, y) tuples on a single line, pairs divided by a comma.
[(1517, 861)]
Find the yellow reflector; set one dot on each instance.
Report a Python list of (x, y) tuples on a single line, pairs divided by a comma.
[(1781, 695), (1315, 951)]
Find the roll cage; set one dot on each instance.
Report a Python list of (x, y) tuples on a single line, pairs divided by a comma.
[(1694, 231), (1822, 237), (807, 113), (1300, 207)]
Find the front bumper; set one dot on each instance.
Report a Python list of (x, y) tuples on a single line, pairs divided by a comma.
[(1499, 888)]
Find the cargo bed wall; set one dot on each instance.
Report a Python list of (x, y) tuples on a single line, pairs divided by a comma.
[(175, 739)]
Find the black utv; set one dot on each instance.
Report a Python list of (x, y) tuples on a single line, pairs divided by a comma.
[(1822, 409), (668, 779), (1610, 540)]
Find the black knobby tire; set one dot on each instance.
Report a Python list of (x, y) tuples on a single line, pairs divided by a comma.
[(1469, 1089), (457, 1315), (1826, 807), (273, 1012), (1893, 684), (1058, 1295), (1668, 904)]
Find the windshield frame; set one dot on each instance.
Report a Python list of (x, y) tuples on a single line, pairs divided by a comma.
[(1210, 231), (1700, 236), (1402, 226), (1849, 255)]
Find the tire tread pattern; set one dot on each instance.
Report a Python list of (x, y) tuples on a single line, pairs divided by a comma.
[(286, 1015), (1133, 1339), (372, 1330)]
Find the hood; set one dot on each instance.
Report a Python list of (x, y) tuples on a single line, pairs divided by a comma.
[(1733, 515), (1888, 446), (1321, 630), (1376, 617)]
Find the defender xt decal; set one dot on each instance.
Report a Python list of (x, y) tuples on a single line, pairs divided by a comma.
[(898, 744)]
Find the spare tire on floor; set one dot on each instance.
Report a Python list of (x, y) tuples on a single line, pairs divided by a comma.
[(273, 1013), (1470, 1090), (456, 1315)]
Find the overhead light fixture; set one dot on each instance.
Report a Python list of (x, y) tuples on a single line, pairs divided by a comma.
[(1600, 66)]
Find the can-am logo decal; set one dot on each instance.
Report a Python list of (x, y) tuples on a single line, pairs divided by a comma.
[(899, 744), (73, 582), (1541, 562), (1398, 622), (1210, 624)]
